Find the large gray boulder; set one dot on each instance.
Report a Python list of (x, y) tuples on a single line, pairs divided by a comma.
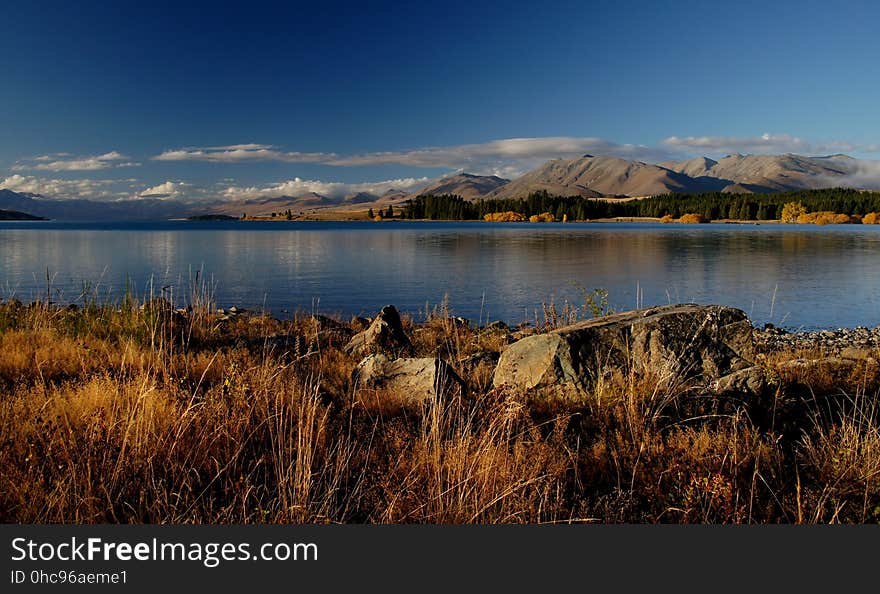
[(416, 380), (384, 335), (686, 342)]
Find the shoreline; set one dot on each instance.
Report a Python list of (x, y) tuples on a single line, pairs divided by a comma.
[(353, 219), (768, 336)]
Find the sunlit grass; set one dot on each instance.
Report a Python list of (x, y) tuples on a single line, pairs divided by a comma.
[(140, 413)]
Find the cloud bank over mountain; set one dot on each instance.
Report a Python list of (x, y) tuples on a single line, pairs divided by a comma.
[(59, 188), (332, 190), (168, 174), (765, 144)]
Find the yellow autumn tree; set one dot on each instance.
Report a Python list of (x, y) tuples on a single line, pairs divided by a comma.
[(791, 211)]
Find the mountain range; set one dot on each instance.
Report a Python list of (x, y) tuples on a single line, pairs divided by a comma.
[(588, 176)]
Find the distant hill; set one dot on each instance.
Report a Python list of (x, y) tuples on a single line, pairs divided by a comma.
[(393, 197), (14, 215), (465, 185), (260, 207), (602, 176), (591, 176), (212, 217), (79, 209), (692, 168), (768, 173), (360, 198)]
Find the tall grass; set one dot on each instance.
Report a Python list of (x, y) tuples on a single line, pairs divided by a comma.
[(148, 412)]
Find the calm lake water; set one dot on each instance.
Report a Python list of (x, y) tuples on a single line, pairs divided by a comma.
[(791, 275)]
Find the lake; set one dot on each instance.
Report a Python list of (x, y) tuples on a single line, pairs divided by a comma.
[(791, 275)]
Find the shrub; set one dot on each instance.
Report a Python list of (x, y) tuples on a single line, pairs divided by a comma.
[(544, 217), (692, 218), (845, 219), (806, 218), (872, 218), (825, 217), (792, 211), (667, 218), (504, 217)]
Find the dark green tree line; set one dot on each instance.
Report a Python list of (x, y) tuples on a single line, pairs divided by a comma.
[(712, 205)]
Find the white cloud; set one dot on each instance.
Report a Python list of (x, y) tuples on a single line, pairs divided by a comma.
[(864, 174), (60, 188), (238, 153), (765, 144), (168, 189), (246, 146), (334, 190), (68, 162), (507, 157)]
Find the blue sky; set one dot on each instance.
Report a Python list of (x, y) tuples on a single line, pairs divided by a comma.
[(124, 100)]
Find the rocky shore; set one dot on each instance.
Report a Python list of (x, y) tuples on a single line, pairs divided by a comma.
[(714, 350), (770, 339)]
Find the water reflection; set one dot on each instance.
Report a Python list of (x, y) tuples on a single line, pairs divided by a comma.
[(798, 276)]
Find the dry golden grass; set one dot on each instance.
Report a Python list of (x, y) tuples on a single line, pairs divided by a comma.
[(123, 414)]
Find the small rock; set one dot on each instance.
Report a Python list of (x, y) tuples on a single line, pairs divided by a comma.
[(385, 334), (751, 381), (415, 380)]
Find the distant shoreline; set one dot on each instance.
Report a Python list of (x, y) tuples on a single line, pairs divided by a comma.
[(14, 215), (350, 219)]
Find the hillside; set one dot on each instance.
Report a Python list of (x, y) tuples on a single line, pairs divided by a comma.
[(593, 177), (466, 185), (14, 215), (84, 210), (768, 173)]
